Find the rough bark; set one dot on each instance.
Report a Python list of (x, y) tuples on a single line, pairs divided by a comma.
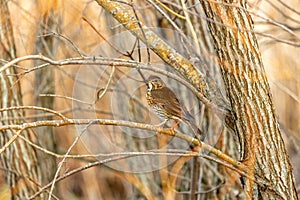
[(44, 84), (249, 93), (19, 160)]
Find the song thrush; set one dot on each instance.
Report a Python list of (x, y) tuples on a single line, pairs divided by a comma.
[(163, 101)]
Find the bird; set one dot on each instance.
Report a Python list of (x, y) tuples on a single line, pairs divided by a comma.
[(163, 101)]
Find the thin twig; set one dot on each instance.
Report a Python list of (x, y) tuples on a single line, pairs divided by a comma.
[(65, 157), (60, 36), (12, 139), (101, 36), (34, 108), (170, 10), (66, 97), (191, 27), (103, 92)]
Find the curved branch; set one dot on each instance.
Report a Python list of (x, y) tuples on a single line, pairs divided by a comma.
[(59, 123), (155, 43)]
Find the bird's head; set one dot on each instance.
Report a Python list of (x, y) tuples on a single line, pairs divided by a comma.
[(154, 82)]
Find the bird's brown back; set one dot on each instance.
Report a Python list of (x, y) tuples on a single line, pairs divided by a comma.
[(167, 100)]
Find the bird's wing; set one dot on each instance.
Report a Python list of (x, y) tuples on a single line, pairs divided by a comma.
[(168, 101)]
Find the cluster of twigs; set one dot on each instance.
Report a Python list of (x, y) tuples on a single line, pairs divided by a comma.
[(195, 80)]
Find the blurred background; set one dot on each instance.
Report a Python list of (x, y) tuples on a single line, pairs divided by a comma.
[(54, 27)]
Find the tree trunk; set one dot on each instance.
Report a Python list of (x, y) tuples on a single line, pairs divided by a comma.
[(19, 159), (44, 84), (249, 93)]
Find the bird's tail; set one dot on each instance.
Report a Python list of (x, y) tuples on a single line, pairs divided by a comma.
[(190, 120), (197, 131)]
